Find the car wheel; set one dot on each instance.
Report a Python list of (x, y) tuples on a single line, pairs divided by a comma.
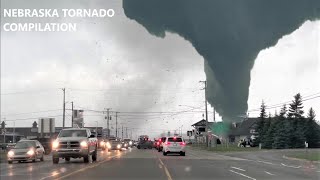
[(183, 154), (138, 147), (159, 149), (55, 160), (67, 159), (34, 160), (164, 153), (9, 162), (42, 158), (86, 159), (94, 155)]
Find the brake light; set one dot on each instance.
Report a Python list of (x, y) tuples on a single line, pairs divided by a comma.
[(174, 137), (182, 143), (167, 143)]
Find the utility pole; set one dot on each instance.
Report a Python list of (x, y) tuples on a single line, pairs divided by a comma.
[(72, 114), (126, 132), (214, 115), (14, 132), (108, 118), (122, 132), (64, 107), (205, 97), (116, 124)]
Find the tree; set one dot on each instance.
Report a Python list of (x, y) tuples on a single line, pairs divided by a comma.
[(281, 130), (297, 121), (261, 123), (269, 131), (312, 132), (296, 108)]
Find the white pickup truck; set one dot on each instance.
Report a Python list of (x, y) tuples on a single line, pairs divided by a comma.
[(75, 143)]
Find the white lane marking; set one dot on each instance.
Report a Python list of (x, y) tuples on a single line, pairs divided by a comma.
[(160, 166), (238, 168), (265, 162), (242, 175), (269, 173), (297, 167), (166, 170)]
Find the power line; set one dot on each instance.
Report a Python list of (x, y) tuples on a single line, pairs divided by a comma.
[(31, 112)]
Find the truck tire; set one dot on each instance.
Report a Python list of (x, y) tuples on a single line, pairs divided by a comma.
[(9, 162), (55, 160), (42, 158), (94, 155), (67, 159), (164, 153), (86, 159), (159, 149)]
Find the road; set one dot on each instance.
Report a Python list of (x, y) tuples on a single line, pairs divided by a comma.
[(150, 164)]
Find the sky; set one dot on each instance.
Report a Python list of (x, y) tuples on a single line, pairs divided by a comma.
[(115, 63)]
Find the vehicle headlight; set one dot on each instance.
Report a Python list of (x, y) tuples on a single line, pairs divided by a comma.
[(108, 145), (55, 144), (118, 146), (101, 143), (84, 144), (125, 145), (10, 153), (30, 152), (130, 143)]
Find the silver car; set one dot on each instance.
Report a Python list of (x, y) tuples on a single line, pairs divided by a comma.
[(26, 150)]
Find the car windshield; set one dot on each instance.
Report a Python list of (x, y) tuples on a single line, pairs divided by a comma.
[(174, 140), (73, 133), (25, 145)]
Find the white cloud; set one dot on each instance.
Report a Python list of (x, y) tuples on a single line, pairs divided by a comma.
[(290, 67)]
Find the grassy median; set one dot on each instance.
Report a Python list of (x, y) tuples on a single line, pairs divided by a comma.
[(311, 156), (225, 148)]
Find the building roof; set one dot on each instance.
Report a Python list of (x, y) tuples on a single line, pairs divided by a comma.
[(243, 127)]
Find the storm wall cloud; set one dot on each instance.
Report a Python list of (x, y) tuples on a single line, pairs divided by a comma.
[(228, 34)]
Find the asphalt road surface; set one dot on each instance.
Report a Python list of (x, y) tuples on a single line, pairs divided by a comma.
[(150, 164)]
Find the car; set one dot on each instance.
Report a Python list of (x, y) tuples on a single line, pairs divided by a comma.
[(75, 143), (124, 144), (174, 145), (26, 150), (10, 146), (144, 142), (115, 145), (161, 141), (129, 141)]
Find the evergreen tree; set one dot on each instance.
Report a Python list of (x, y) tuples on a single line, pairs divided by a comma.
[(297, 122), (269, 132), (312, 130), (296, 108), (261, 123), (281, 130)]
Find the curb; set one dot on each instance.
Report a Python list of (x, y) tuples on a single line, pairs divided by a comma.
[(301, 160)]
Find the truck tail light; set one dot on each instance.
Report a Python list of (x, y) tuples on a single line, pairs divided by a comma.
[(167, 143), (182, 143)]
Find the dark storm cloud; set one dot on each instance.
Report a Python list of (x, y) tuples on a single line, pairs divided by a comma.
[(228, 34)]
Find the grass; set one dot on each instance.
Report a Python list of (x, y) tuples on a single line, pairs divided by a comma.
[(224, 148), (311, 156)]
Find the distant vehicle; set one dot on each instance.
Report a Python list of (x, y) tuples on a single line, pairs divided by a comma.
[(246, 142), (26, 150), (144, 142), (129, 141), (174, 145), (46, 143), (102, 143), (75, 143), (161, 141), (115, 145), (10, 146)]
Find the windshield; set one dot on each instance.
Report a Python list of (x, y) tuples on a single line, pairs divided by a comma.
[(25, 145), (73, 133), (174, 140)]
